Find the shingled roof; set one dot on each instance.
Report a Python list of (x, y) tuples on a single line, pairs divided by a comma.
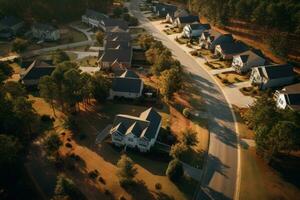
[(250, 55), (233, 47), (37, 70), (95, 15), (119, 55), (110, 44), (277, 71), (188, 19), (10, 21), (109, 22), (127, 82), (199, 26), (144, 126), (117, 36)]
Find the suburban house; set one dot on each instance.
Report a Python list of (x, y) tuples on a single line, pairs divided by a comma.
[(136, 132), (245, 61), (171, 17), (288, 97), (228, 50), (11, 23), (194, 30), (108, 44), (180, 22), (272, 76), (45, 32), (38, 69), (117, 36), (128, 85), (210, 39), (115, 60), (93, 18), (163, 10), (110, 24)]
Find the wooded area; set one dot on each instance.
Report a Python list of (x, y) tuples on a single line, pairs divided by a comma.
[(45, 10)]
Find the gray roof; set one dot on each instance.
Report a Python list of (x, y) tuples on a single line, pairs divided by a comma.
[(165, 9), (95, 15), (180, 13), (120, 55), (277, 71), (154, 118), (146, 125), (37, 70), (109, 22), (233, 47), (199, 26), (117, 36), (10, 21), (129, 85), (129, 74), (116, 44), (189, 19), (250, 55)]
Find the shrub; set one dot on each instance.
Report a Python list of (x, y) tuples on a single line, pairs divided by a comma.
[(174, 170), (186, 112), (158, 186), (122, 197), (101, 180), (68, 145), (106, 192), (93, 174), (19, 45)]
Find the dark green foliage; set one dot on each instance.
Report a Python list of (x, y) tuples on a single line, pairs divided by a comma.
[(100, 87), (275, 130), (19, 45), (59, 56), (280, 14), (66, 189), (52, 144), (9, 150), (5, 71), (126, 171), (46, 10), (174, 170)]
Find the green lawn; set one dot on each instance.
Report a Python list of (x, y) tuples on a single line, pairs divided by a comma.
[(89, 61)]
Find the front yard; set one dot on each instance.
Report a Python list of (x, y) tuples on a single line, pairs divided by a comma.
[(228, 78)]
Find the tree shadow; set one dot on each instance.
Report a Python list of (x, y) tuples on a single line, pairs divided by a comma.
[(164, 196), (139, 191)]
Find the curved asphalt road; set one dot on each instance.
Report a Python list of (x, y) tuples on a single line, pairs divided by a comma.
[(220, 176)]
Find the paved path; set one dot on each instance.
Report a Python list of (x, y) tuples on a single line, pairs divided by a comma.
[(220, 175), (84, 54)]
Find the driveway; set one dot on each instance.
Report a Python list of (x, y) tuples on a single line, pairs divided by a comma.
[(220, 175), (102, 135)]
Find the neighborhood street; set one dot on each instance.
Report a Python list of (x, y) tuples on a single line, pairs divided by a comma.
[(220, 173)]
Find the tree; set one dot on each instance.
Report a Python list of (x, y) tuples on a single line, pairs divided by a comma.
[(179, 151), (5, 71), (14, 89), (48, 88), (189, 138), (170, 82), (174, 170), (59, 56), (9, 150), (145, 41), (100, 37), (117, 12), (52, 144), (66, 189), (19, 45), (126, 170), (100, 87)]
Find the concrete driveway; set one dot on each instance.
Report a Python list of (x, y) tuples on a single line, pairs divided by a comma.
[(221, 171)]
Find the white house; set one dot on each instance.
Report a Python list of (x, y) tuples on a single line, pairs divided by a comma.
[(128, 85), (180, 22), (45, 32), (172, 16), (194, 30), (272, 76), (227, 51), (210, 39), (136, 132), (288, 97), (245, 61), (93, 18)]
